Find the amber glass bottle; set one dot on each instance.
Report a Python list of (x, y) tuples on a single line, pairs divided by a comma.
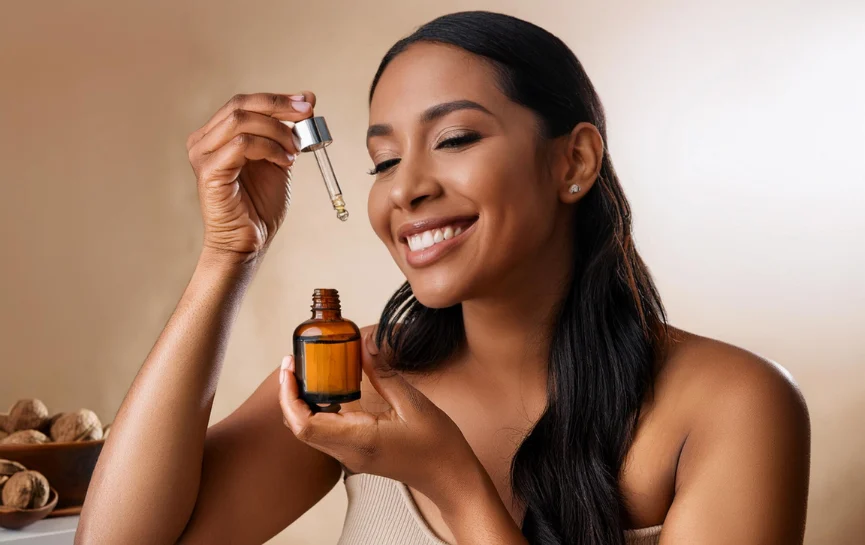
[(327, 354)]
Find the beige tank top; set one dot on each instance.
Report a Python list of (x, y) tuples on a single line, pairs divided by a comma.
[(381, 511)]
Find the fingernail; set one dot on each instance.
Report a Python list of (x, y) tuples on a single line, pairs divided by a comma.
[(291, 363), (301, 106), (289, 156), (284, 363), (300, 98), (289, 124), (282, 375)]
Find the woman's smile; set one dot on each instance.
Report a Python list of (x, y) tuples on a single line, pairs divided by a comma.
[(427, 241)]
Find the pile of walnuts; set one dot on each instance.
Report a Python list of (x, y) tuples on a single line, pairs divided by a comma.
[(28, 422), (21, 488)]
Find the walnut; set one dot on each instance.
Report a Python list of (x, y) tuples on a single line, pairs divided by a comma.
[(26, 437), (53, 419), (26, 490), (26, 414), (8, 467), (82, 425)]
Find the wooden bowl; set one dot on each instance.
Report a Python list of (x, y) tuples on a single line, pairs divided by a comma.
[(67, 466), (14, 519)]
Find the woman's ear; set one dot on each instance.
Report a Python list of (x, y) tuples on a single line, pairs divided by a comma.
[(584, 154)]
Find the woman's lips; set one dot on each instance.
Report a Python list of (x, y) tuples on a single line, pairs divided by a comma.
[(434, 244)]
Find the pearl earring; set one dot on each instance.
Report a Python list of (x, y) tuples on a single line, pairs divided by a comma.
[(574, 189)]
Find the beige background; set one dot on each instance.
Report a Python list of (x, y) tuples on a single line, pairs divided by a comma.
[(738, 128)]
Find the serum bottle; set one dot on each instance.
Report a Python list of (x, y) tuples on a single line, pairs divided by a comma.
[(327, 355)]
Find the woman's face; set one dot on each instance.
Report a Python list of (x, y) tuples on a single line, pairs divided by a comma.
[(463, 196)]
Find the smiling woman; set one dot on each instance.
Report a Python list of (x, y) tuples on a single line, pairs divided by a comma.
[(523, 384)]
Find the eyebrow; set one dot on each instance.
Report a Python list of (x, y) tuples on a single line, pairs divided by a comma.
[(429, 115)]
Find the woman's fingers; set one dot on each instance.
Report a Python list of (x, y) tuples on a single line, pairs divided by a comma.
[(295, 411), (223, 165), (292, 107), (349, 438), (306, 425), (245, 122)]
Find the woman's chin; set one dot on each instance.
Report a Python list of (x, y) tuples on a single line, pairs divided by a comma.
[(436, 296)]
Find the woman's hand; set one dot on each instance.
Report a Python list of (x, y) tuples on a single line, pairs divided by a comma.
[(413, 441), (242, 159)]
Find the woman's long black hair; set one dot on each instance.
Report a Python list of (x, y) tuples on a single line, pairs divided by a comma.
[(611, 325)]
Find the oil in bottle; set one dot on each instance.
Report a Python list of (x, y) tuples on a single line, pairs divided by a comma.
[(327, 355)]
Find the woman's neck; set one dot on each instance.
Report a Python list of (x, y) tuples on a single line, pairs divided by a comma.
[(508, 336)]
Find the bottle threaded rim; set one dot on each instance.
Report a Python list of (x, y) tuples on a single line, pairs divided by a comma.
[(325, 299)]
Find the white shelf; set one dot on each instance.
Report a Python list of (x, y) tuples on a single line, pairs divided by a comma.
[(54, 531)]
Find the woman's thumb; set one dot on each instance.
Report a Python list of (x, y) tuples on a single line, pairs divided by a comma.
[(387, 381)]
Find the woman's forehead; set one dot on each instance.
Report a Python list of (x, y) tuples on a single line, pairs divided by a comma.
[(426, 74)]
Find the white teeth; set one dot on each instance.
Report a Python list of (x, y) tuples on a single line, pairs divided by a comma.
[(427, 239), (414, 243)]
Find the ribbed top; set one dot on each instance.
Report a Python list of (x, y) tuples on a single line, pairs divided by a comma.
[(381, 511), (325, 299)]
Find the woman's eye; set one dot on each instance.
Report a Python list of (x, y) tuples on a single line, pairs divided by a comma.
[(458, 141), (454, 142), (381, 167)]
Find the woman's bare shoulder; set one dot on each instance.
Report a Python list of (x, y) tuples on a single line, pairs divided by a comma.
[(700, 372), (744, 459)]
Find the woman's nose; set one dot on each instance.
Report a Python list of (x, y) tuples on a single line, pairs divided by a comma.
[(412, 185)]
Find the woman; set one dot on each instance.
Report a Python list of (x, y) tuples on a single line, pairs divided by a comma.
[(532, 392)]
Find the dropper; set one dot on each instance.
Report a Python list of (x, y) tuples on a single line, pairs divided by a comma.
[(313, 136)]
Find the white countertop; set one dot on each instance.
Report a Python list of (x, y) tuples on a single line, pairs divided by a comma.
[(54, 531)]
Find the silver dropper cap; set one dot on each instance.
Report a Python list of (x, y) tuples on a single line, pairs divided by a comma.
[(313, 135)]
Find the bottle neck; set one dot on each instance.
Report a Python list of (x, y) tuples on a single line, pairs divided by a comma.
[(326, 314), (325, 305)]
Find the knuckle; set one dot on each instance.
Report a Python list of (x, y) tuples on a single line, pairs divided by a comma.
[(237, 117), (275, 100), (275, 147), (242, 141), (237, 100), (206, 173), (194, 155)]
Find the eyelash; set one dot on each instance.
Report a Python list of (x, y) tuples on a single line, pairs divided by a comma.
[(454, 142)]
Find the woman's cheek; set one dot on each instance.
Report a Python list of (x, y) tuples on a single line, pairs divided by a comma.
[(378, 211)]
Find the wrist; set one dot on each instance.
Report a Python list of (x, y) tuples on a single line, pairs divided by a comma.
[(475, 513), (471, 487), (223, 267), (227, 261)]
